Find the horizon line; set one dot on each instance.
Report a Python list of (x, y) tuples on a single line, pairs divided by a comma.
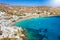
[(26, 5)]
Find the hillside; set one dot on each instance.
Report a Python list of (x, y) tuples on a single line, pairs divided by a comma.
[(27, 9)]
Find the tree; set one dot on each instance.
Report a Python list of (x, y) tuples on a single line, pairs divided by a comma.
[(38, 12)]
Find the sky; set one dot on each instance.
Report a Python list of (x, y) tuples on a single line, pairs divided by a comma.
[(55, 3)]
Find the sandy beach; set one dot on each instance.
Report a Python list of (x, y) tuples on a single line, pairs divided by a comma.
[(23, 19), (28, 17)]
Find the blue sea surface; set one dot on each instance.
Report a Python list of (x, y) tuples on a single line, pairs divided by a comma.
[(41, 28)]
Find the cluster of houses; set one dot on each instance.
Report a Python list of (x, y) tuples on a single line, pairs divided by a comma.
[(7, 31)]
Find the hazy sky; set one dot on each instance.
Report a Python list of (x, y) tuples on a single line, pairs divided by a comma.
[(32, 2)]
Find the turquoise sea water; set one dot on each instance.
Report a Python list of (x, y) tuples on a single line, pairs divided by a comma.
[(41, 28)]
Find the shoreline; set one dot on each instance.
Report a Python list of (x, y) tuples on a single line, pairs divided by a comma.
[(28, 17), (22, 19)]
